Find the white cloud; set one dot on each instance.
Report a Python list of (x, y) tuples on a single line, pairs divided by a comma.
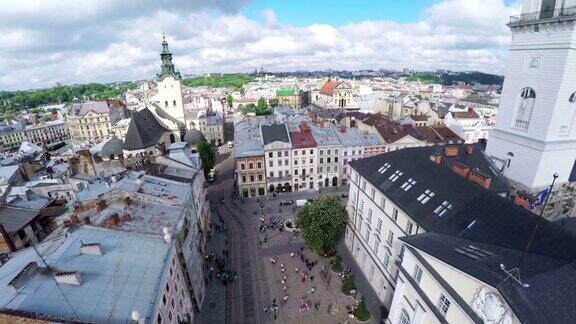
[(108, 40)]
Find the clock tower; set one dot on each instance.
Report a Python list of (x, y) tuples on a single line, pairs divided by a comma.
[(535, 132)]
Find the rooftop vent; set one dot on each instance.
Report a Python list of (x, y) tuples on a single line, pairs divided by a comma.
[(22, 277), (91, 249), (167, 235), (72, 278)]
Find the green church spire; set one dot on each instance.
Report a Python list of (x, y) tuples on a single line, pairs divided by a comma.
[(167, 65)]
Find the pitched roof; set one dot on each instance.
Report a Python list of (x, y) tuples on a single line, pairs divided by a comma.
[(392, 131), (329, 86), (465, 114), (82, 108), (302, 139), (144, 131), (273, 133), (14, 219)]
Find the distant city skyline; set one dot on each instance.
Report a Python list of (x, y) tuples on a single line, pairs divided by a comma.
[(106, 41)]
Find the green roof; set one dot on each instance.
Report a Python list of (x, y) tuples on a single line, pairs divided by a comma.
[(283, 92)]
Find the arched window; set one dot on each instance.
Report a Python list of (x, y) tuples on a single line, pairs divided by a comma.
[(404, 317), (525, 107), (166, 104), (174, 103), (572, 98)]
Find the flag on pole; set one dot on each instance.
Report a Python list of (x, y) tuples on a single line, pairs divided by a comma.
[(540, 199)]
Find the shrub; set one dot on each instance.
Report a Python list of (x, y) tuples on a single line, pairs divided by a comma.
[(361, 312), (347, 286)]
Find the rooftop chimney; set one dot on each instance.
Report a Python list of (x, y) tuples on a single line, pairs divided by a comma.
[(479, 178), (450, 150), (7, 238), (342, 128), (74, 219), (87, 220), (469, 149), (113, 220), (436, 158), (321, 123), (91, 249), (22, 277), (72, 278), (167, 235), (461, 169), (522, 200)]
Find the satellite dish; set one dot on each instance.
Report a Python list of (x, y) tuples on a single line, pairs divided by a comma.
[(135, 315)]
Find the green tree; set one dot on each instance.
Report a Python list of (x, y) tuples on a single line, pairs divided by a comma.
[(273, 102), (229, 100), (46, 118), (207, 155), (322, 222)]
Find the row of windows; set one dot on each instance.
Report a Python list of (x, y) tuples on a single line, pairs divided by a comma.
[(250, 166), (295, 153), (252, 178)]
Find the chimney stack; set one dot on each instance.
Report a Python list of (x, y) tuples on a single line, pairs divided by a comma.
[(74, 219), (522, 200), (436, 158), (450, 150), (321, 123), (72, 278), (469, 149), (342, 128), (7, 239), (87, 220), (461, 169), (480, 179)]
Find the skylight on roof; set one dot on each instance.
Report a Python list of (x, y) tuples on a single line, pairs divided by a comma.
[(384, 168), (408, 184), (443, 208), (427, 195), (395, 175), (474, 252)]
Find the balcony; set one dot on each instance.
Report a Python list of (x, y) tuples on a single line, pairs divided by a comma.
[(522, 124), (544, 15)]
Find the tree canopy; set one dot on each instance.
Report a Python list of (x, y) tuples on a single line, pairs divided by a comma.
[(322, 222), (17, 100), (229, 100), (236, 81), (207, 155)]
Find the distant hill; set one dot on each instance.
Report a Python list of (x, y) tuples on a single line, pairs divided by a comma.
[(452, 78)]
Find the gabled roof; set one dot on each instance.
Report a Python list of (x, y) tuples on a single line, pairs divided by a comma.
[(144, 131), (14, 219), (82, 108), (392, 132), (328, 87), (470, 114)]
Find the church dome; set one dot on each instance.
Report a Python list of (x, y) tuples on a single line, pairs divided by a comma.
[(193, 136)]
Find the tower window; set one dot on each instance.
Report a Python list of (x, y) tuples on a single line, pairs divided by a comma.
[(572, 98), (524, 109), (166, 103), (174, 103)]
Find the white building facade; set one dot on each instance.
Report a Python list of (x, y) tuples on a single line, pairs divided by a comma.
[(535, 135)]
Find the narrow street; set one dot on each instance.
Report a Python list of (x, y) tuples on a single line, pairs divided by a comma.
[(244, 297)]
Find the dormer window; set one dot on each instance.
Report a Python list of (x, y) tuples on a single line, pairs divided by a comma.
[(384, 168), (426, 196), (408, 184), (395, 176), (443, 208)]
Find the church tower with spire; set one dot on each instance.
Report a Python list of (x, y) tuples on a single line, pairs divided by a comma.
[(170, 98)]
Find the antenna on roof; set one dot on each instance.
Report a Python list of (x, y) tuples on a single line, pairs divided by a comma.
[(514, 273)]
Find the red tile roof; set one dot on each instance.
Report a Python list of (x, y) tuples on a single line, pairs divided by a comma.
[(465, 114), (302, 139), (328, 87)]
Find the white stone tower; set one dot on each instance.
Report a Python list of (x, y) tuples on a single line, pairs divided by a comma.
[(535, 133), (170, 89)]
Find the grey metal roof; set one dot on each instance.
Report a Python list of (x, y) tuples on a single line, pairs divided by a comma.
[(14, 218), (125, 278), (81, 109), (273, 133)]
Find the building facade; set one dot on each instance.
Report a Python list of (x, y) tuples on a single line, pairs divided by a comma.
[(92, 121), (11, 136), (49, 133), (304, 161), (278, 157)]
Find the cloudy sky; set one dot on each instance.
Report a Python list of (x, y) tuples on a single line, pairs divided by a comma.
[(77, 41)]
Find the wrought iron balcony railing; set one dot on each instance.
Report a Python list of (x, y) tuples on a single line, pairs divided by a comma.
[(562, 13)]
